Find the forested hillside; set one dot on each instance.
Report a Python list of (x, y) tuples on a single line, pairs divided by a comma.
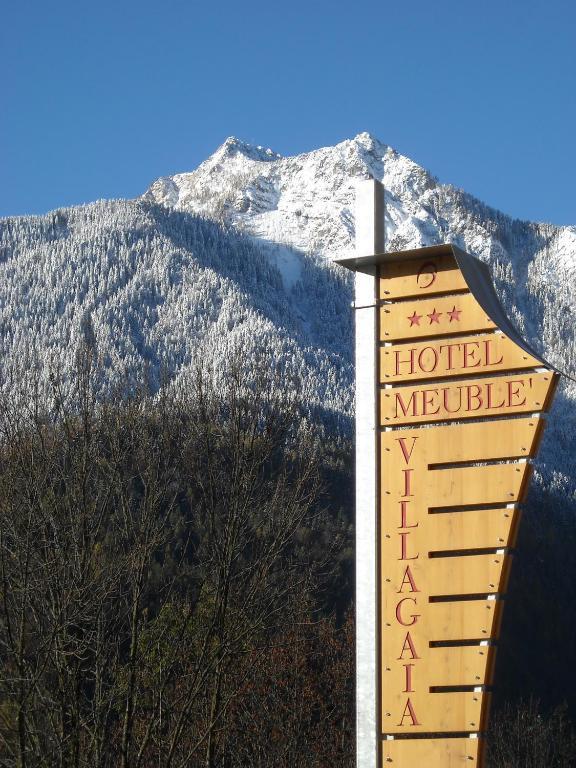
[(176, 515), (240, 251)]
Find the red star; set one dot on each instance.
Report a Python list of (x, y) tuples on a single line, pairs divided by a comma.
[(415, 319), (454, 314), (434, 316)]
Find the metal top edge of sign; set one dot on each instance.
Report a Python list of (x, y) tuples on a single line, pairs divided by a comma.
[(363, 263), (479, 280), (476, 274)]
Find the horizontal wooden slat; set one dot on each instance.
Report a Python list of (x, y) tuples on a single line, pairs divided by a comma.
[(420, 277), (473, 529), (425, 533), (433, 622), (464, 665), (432, 317), (461, 441), (475, 485), (444, 358), (459, 486), (455, 666), (431, 753), (454, 712), (442, 576), (466, 399), (461, 620), (467, 575)]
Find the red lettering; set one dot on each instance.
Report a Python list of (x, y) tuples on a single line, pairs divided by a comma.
[(487, 348), (403, 514), (408, 579), (446, 400), (409, 711), (405, 408), (469, 354), (408, 646), (403, 547), (516, 392), (489, 403), (408, 683), (427, 395), (400, 362), (405, 452), (450, 347), (407, 482), (477, 395), (399, 618), (422, 359)]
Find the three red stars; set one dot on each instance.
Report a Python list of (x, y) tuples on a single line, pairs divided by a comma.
[(454, 314)]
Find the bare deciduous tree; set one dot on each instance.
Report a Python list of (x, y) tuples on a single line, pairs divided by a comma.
[(151, 550)]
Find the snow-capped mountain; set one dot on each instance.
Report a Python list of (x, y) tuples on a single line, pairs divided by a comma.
[(240, 251)]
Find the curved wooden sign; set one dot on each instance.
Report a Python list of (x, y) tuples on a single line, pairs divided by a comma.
[(460, 398), (460, 404)]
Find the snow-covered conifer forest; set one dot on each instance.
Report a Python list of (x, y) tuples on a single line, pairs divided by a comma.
[(239, 252)]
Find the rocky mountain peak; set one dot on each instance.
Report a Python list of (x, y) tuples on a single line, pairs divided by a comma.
[(240, 251)]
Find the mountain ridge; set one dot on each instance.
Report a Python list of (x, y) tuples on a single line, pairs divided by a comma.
[(240, 251)]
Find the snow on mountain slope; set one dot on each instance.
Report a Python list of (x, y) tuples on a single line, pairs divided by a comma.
[(241, 249), (305, 204)]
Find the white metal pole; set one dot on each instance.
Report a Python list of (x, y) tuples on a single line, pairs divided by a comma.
[(369, 241)]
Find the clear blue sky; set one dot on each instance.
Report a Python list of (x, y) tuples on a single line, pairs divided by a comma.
[(100, 98)]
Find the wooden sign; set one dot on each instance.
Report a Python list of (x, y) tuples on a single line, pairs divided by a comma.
[(448, 501), (445, 359), (442, 316), (459, 404), (466, 399)]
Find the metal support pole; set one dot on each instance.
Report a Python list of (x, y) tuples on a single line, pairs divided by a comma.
[(369, 240)]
